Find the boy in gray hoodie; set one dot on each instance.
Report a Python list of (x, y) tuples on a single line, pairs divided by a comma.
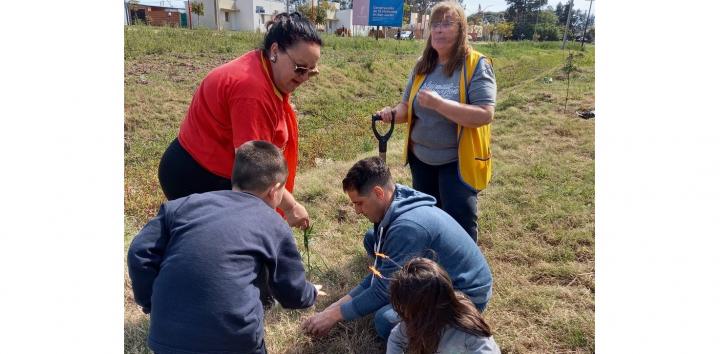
[(407, 224)]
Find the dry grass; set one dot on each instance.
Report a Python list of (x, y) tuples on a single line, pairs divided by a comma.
[(537, 215)]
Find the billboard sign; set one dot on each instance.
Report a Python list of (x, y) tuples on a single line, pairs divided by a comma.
[(378, 13), (385, 13)]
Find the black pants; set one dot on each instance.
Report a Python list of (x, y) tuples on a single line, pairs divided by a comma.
[(180, 175), (453, 195)]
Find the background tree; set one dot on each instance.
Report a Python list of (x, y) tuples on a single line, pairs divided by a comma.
[(487, 17), (318, 16), (569, 68), (525, 15), (133, 5), (546, 28), (424, 6), (505, 29), (577, 21), (406, 14), (198, 9), (345, 4)]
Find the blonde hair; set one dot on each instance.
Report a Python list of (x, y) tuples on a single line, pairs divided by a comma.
[(429, 59)]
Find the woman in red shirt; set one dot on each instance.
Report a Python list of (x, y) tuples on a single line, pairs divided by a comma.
[(245, 99)]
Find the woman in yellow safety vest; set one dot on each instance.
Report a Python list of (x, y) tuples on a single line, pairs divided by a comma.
[(449, 103)]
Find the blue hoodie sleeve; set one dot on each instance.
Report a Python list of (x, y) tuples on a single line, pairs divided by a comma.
[(145, 255), (287, 275), (364, 284), (404, 240), (368, 243)]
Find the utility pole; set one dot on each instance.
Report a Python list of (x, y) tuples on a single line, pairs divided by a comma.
[(537, 20), (217, 14), (587, 19), (567, 23)]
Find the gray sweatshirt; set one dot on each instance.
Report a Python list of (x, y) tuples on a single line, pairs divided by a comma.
[(453, 341)]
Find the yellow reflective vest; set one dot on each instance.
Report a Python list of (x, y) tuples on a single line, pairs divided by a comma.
[(474, 158)]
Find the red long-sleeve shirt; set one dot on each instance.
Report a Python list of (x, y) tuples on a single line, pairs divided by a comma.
[(235, 103)]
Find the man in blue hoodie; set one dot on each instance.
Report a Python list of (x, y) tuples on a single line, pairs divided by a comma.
[(197, 266), (407, 224)]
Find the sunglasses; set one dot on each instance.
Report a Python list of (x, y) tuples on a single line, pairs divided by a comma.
[(301, 70)]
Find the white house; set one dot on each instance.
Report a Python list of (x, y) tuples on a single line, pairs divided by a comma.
[(238, 15), (343, 18)]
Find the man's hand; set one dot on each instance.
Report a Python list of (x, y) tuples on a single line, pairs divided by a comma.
[(298, 216), (321, 323)]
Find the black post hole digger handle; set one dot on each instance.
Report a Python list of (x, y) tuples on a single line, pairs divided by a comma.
[(383, 139)]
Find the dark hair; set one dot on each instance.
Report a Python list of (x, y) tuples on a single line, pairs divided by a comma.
[(287, 30), (461, 48), (258, 166), (422, 294), (366, 174)]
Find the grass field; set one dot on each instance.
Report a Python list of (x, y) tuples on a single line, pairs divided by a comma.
[(536, 217)]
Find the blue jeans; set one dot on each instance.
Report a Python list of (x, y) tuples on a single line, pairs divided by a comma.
[(453, 195), (385, 320)]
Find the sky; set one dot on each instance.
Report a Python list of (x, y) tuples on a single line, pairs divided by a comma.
[(471, 6)]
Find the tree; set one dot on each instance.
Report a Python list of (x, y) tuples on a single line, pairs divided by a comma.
[(577, 21), (559, 10), (345, 4), (133, 5), (318, 15), (548, 32), (198, 9), (487, 17), (505, 29), (568, 69), (406, 14), (423, 6), (524, 13), (546, 28)]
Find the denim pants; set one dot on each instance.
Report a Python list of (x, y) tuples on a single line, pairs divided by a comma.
[(385, 320), (453, 195)]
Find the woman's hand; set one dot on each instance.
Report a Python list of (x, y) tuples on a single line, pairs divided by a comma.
[(430, 99), (386, 113), (467, 115), (298, 216), (295, 213)]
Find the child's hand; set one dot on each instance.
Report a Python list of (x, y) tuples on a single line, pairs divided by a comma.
[(319, 292)]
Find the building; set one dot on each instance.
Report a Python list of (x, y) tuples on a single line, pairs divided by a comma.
[(237, 15), (153, 15)]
